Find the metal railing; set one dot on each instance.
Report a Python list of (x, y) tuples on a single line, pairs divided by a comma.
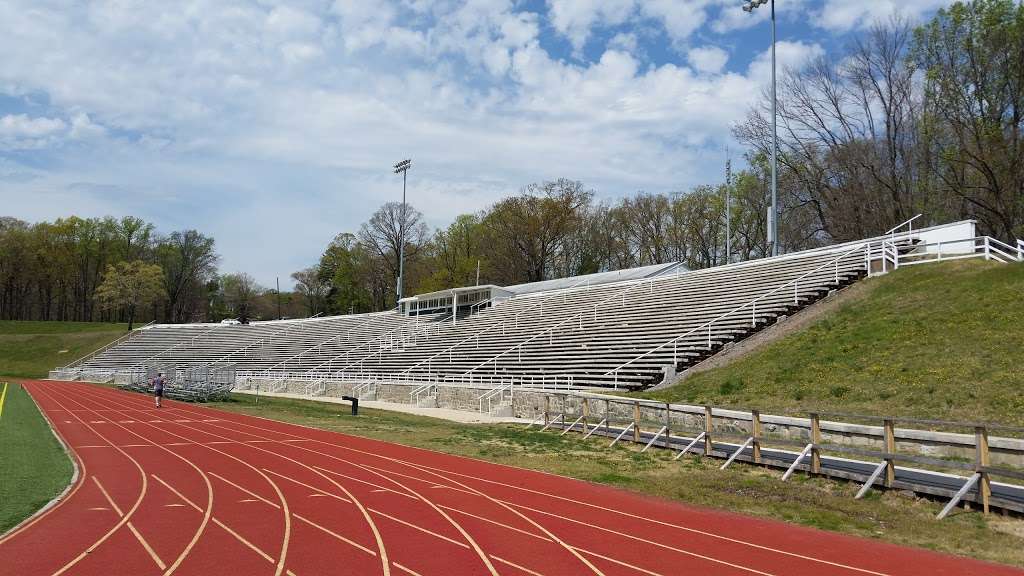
[(262, 341), (191, 342), (347, 334), (978, 247), (128, 336), (752, 304)]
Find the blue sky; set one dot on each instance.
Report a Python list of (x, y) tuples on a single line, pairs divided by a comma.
[(272, 125)]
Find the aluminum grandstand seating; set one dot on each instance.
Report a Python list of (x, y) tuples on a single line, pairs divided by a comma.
[(620, 333)]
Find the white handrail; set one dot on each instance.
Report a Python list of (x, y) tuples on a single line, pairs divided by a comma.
[(332, 370), (496, 324), (579, 315), (376, 316), (262, 340), (176, 344), (103, 349), (710, 323), (902, 224)]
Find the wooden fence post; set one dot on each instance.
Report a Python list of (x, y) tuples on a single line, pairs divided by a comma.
[(668, 425), (707, 431), (755, 433), (586, 413), (636, 421), (889, 429), (815, 440), (547, 409), (607, 415), (982, 462)]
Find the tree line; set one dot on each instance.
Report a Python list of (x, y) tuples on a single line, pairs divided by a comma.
[(107, 269)]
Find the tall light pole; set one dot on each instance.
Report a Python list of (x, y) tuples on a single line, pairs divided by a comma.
[(773, 220), (402, 167)]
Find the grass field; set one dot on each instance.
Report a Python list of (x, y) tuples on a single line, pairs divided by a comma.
[(31, 349), (935, 341), (33, 466), (894, 517)]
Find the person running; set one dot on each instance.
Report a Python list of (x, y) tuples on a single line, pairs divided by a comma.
[(158, 387)]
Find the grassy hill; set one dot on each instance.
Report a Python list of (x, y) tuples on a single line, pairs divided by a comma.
[(935, 341), (31, 349)]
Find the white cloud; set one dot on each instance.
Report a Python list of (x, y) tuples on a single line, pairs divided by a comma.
[(787, 54), (576, 18), (22, 132), (708, 59), (842, 15)]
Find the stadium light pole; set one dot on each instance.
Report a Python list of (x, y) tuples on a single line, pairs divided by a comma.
[(773, 221), (403, 168)]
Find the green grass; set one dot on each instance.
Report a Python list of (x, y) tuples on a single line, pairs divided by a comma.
[(821, 503), (32, 349), (933, 341), (33, 465)]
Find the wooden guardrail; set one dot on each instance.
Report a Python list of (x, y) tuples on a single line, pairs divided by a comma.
[(741, 435)]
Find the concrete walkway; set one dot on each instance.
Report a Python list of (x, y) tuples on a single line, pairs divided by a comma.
[(443, 413)]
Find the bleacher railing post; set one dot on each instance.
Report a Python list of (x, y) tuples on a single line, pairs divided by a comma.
[(982, 462), (815, 442), (889, 432)]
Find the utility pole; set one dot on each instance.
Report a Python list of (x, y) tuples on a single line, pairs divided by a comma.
[(478, 272), (277, 280)]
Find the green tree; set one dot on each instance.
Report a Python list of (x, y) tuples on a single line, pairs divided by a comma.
[(127, 286)]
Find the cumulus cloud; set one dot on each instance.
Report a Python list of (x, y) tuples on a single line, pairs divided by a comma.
[(708, 59), (21, 132), (842, 15)]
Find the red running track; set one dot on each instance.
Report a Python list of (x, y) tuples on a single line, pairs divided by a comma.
[(196, 491)]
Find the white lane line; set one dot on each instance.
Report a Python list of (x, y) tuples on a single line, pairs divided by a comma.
[(421, 529), (336, 535), (304, 485), (138, 536), (406, 570), (639, 539), (517, 566), (249, 492), (378, 487), (619, 562)]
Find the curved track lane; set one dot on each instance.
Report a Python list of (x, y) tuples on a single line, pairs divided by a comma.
[(189, 490)]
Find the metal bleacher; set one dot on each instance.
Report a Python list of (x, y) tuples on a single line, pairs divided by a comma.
[(596, 331)]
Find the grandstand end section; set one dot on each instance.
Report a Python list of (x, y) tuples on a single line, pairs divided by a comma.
[(627, 329)]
